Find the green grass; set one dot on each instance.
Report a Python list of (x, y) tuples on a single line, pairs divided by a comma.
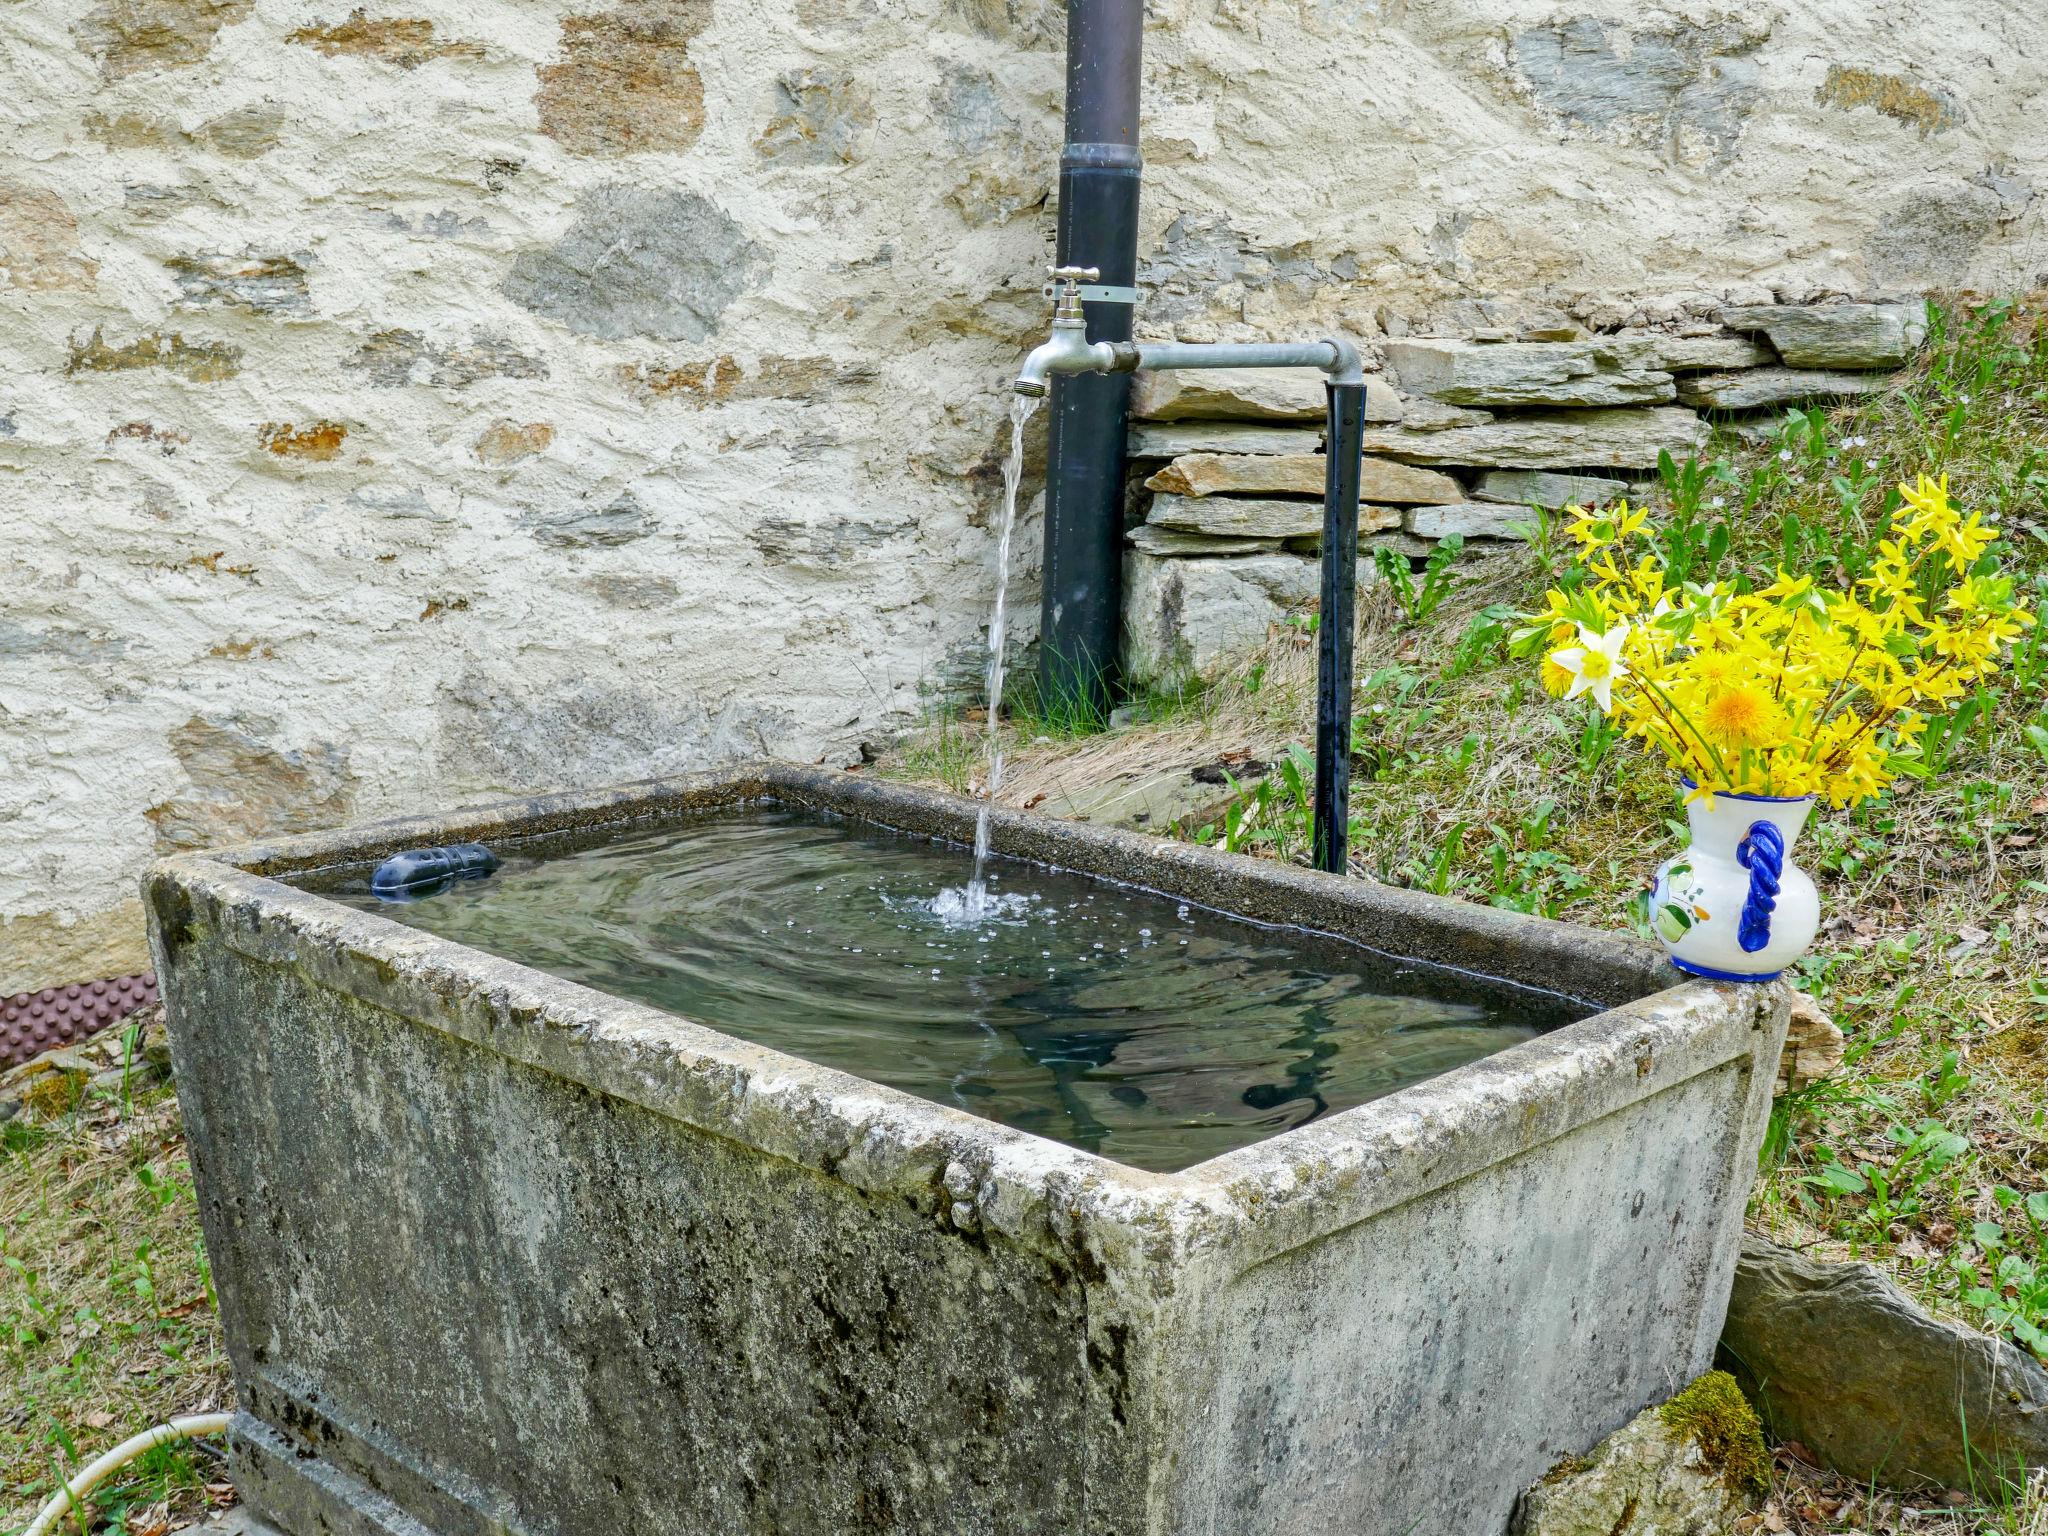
[(108, 1322)]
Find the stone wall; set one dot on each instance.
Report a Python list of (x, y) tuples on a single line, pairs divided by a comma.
[(407, 403), (1465, 439)]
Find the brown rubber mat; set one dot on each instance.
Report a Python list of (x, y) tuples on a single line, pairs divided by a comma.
[(34, 1022)]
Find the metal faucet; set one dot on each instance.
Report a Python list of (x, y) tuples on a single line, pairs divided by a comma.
[(1068, 350)]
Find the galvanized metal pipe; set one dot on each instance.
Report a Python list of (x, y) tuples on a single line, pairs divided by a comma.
[(1338, 359), (1067, 353)]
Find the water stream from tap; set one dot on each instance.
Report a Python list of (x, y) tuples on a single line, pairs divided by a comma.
[(975, 902)]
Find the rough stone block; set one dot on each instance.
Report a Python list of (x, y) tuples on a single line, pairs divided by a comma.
[(1192, 618), (1241, 517), (258, 285), (1814, 1046), (1688, 354), (506, 441), (1588, 439), (636, 262), (404, 41), (822, 117), (622, 520), (1843, 1361), (1152, 539), (39, 241), (1653, 1477), (1541, 373), (1471, 520), (1547, 488), (43, 949), (1776, 386), (391, 359), (625, 82), (1299, 474), (1171, 441), (1836, 335), (1247, 394), (130, 37)]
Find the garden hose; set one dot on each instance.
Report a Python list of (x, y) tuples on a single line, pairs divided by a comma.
[(68, 1497)]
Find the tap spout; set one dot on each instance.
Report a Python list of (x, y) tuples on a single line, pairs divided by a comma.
[(1067, 350)]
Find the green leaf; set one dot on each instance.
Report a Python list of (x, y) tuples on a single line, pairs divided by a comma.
[(1988, 1235), (1842, 1181)]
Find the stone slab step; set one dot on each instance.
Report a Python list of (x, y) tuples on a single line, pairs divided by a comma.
[(1757, 387), (1548, 488), (1299, 474), (1854, 336), (1170, 441), (1470, 520), (1537, 373), (1152, 539), (1585, 439), (1247, 394), (1247, 517)]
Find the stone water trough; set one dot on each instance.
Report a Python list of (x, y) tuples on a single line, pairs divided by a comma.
[(500, 1253)]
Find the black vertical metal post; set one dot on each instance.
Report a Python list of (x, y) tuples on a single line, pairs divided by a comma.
[(1098, 227), (1344, 446)]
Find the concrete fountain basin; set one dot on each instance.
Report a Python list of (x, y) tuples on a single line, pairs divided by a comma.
[(499, 1253)]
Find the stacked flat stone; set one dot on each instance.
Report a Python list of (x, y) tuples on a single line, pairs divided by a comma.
[(1463, 436), (34, 1022)]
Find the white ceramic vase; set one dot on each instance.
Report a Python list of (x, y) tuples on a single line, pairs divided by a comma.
[(1733, 906)]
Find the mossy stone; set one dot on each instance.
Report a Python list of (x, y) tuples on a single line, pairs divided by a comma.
[(1714, 1414)]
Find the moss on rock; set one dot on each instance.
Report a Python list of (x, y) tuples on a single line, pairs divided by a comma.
[(1716, 1417)]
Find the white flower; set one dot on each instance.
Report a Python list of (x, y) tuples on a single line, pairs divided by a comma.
[(1784, 455), (1870, 464), (1594, 663), (1719, 501)]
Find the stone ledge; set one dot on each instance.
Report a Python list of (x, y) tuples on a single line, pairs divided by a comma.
[(1470, 520), (1299, 474), (1548, 488), (1854, 336), (1587, 439), (1776, 386), (1840, 1359), (1247, 394), (1237, 517), (1538, 373)]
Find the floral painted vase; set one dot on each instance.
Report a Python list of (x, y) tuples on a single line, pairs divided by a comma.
[(1733, 906)]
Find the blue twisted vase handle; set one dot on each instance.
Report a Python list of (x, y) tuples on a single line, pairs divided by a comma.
[(1762, 853)]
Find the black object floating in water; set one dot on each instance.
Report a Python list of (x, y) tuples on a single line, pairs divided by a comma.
[(428, 871)]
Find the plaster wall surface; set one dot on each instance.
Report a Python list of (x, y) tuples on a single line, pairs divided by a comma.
[(448, 397)]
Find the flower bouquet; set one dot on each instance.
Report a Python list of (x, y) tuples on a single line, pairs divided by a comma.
[(1765, 698)]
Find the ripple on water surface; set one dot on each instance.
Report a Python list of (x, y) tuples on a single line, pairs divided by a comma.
[(1148, 1030)]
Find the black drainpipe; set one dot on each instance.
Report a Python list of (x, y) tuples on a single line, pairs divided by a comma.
[(1098, 227)]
